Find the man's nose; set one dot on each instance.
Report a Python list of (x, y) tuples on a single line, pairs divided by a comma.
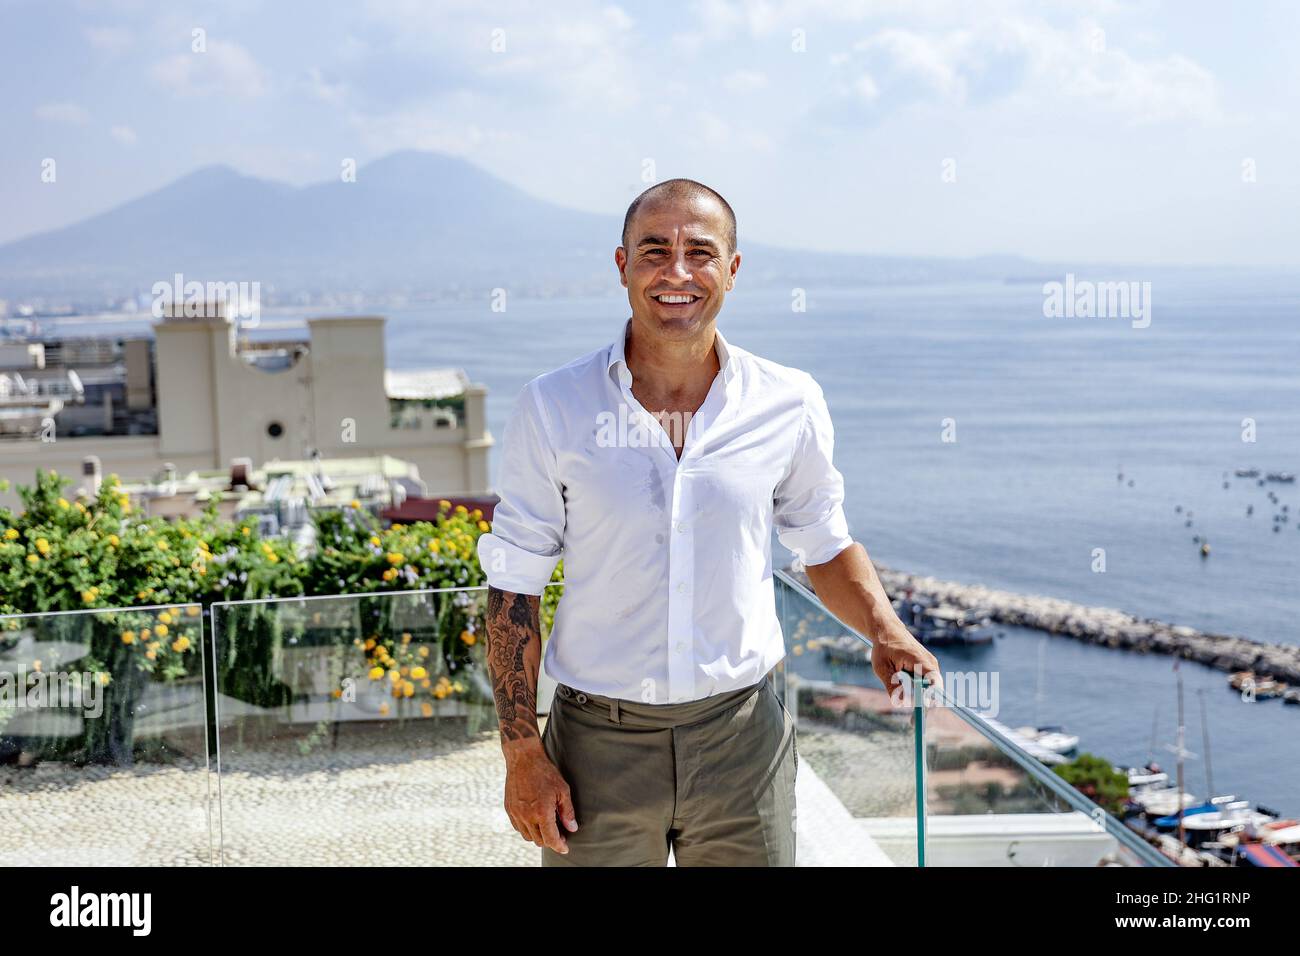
[(678, 266)]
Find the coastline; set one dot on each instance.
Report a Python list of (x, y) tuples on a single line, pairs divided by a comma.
[(1107, 627)]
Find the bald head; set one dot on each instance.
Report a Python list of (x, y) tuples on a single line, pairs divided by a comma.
[(676, 190)]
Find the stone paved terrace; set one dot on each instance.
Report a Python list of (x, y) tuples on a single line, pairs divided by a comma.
[(368, 801)]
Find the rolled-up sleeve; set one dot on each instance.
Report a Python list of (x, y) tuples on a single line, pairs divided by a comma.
[(526, 542), (809, 501)]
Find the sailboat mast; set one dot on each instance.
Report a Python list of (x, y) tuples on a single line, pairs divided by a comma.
[(1182, 735), (1205, 742)]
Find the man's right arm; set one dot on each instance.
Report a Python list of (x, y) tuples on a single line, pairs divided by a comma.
[(518, 557), (536, 792), (514, 661)]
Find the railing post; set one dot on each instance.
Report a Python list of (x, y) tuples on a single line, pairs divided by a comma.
[(918, 737)]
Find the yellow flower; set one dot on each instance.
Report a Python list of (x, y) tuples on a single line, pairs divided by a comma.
[(370, 643), (104, 678), (376, 673), (476, 513), (166, 618), (406, 637), (163, 545), (443, 504), (408, 689), (484, 526), (394, 558), (426, 684), (383, 709), (11, 534), (426, 709), (63, 503), (128, 637), (468, 637), (462, 510), (396, 527), (87, 596), (435, 545), (32, 559), (145, 634), (354, 504), (43, 546), (424, 652), (114, 540), (419, 673), (336, 693), (389, 574), (374, 539), (193, 610), (244, 530), (152, 655), (394, 675), (181, 645)]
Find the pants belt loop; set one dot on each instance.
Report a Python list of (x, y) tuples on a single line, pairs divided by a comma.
[(613, 711)]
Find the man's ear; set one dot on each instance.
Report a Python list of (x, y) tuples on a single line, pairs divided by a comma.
[(620, 260), (735, 267)]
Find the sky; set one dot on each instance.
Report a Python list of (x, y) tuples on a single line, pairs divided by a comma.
[(1144, 132)]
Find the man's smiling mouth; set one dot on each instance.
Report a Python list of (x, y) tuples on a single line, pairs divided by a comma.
[(667, 298)]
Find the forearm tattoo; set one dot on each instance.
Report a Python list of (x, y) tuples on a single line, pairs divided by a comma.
[(514, 658)]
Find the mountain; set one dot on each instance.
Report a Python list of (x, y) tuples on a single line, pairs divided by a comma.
[(411, 222)]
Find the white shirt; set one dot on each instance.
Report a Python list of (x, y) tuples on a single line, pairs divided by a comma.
[(668, 590)]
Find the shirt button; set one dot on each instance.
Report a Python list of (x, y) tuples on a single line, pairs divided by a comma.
[(681, 526), (681, 587), (681, 646)]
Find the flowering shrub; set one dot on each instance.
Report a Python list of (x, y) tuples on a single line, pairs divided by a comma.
[(80, 553), (64, 555)]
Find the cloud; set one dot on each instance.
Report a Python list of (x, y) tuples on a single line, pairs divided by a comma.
[(110, 39), (67, 113), (1030, 60), (744, 81), (123, 134), (226, 68)]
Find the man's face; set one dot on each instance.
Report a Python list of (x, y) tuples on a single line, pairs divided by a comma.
[(677, 267)]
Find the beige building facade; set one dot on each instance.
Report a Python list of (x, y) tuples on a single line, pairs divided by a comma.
[(219, 399)]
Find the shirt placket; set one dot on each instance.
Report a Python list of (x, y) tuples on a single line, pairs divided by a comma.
[(681, 550)]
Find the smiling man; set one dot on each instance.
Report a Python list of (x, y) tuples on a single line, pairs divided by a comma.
[(666, 732)]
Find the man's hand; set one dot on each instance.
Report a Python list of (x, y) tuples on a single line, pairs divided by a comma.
[(536, 794), (897, 652), (850, 588)]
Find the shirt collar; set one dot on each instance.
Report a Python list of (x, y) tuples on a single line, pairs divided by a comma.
[(618, 358)]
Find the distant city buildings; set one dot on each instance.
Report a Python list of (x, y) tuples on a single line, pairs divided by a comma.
[(197, 397)]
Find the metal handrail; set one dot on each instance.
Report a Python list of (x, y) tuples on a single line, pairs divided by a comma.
[(1026, 761)]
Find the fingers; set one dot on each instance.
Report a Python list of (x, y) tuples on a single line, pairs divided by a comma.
[(551, 837), (567, 815)]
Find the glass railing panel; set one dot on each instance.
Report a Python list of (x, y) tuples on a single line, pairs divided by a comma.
[(361, 730), (988, 801), (103, 742), (991, 802), (857, 782)]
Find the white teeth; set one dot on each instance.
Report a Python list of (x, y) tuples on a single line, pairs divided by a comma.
[(674, 299)]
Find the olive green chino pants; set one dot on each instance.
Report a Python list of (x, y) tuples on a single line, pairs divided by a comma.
[(712, 778)]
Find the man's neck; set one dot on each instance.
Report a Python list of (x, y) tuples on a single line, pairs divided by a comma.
[(669, 367)]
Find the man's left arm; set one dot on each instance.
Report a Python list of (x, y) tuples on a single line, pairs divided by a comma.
[(810, 521), (851, 590)]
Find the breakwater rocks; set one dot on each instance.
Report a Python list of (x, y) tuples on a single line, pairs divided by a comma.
[(1106, 626)]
